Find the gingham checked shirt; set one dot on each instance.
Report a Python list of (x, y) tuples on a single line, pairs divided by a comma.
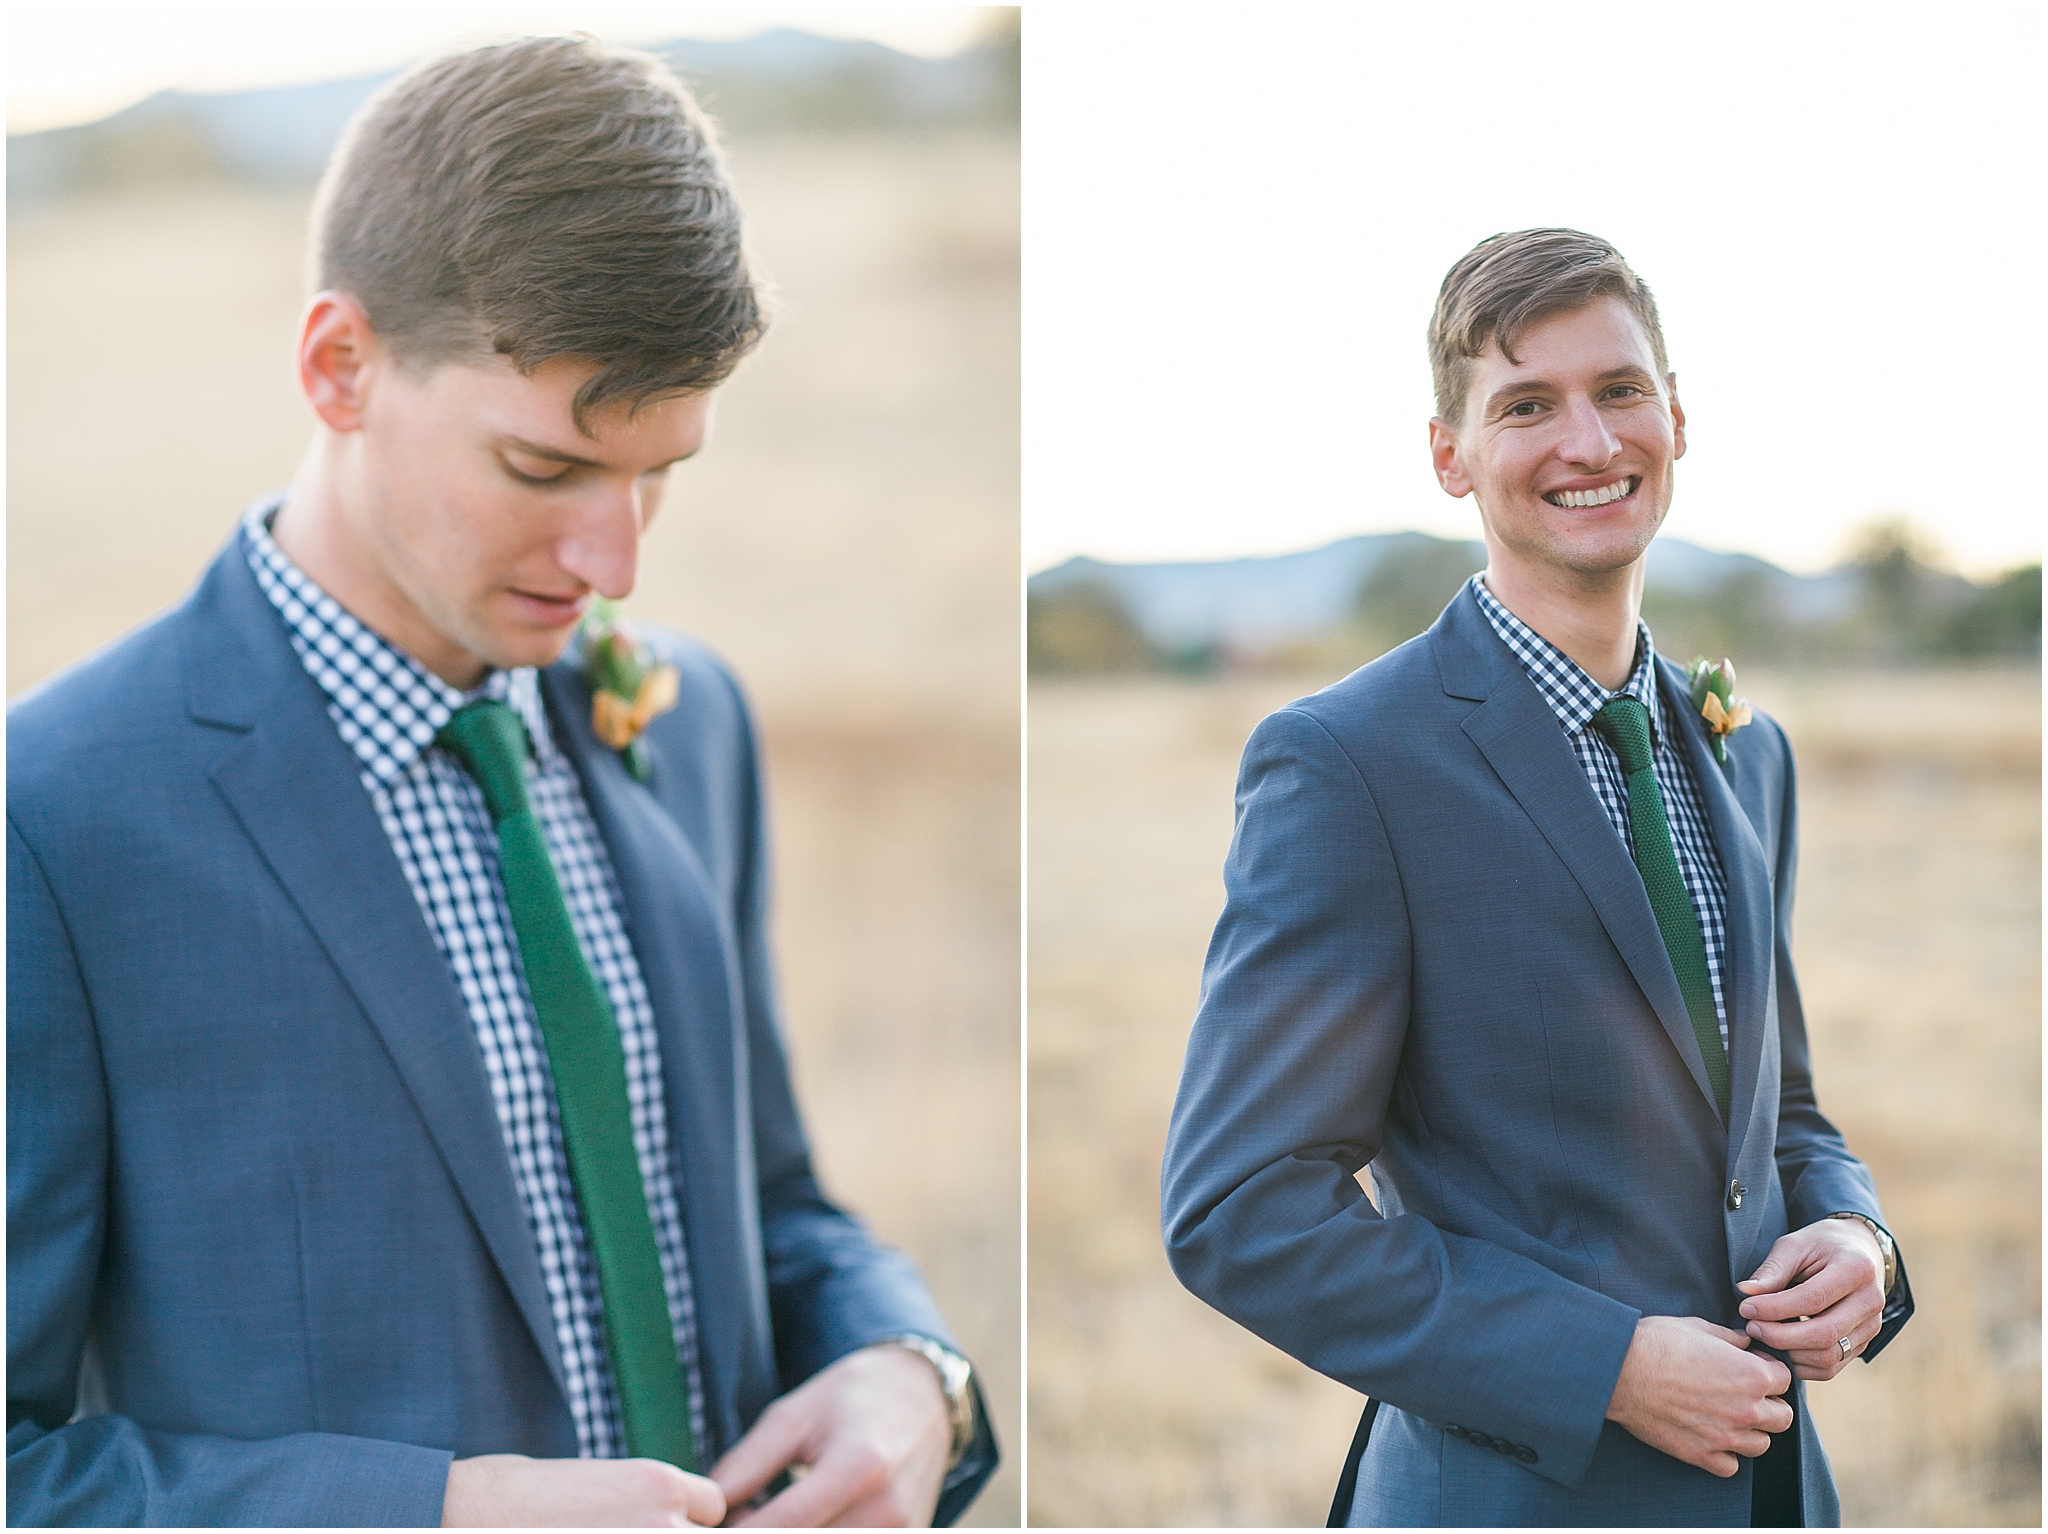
[(388, 708), (1575, 698)]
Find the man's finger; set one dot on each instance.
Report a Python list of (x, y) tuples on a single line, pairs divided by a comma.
[(1732, 1338), (779, 1437), (1830, 1285), (1777, 1378), (1823, 1331), (1772, 1273), (1752, 1445), (834, 1484)]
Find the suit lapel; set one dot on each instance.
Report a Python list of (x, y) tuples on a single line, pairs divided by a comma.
[(688, 956), (1746, 960), (1520, 737), (296, 791)]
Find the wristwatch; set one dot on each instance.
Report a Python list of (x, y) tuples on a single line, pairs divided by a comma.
[(955, 1377), (1884, 1244)]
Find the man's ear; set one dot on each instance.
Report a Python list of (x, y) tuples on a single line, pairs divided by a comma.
[(1443, 453), (1677, 417), (336, 347)]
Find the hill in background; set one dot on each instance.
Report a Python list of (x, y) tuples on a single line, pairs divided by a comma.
[(1344, 603), (781, 80)]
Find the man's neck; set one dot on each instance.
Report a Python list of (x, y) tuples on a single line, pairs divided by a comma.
[(312, 529), (1594, 622)]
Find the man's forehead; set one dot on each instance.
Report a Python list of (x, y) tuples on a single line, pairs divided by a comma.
[(536, 411), (1606, 325)]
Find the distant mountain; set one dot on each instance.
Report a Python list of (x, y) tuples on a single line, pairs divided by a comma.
[(779, 80), (1259, 604)]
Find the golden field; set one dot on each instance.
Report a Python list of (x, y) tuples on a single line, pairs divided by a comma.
[(849, 541), (1918, 939)]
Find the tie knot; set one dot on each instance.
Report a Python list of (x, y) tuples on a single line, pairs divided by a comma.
[(1626, 724), (490, 740)]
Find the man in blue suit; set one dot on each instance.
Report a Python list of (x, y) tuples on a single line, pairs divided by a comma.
[(1508, 923), (399, 1130)]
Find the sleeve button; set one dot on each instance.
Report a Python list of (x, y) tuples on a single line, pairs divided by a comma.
[(1525, 1454)]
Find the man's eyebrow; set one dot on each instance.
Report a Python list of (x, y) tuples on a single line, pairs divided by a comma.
[(556, 455), (1522, 386)]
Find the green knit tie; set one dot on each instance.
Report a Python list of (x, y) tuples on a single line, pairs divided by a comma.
[(1626, 724), (589, 1068)]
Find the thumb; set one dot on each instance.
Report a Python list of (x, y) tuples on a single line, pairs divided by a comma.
[(749, 1465), (1770, 1274), (704, 1503)]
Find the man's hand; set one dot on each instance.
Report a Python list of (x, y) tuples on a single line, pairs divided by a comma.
[(1819, 1284), (1692, 1389), (512, 1491), (872, 1434)]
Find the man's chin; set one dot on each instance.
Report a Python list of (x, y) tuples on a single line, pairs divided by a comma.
[(509, 652)]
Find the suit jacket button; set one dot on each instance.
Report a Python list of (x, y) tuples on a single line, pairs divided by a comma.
[(1455, 1431), (1735, 1192), (1525, 1454), (1502, 1446)]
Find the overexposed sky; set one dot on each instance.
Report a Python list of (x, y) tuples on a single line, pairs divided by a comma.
[(1235, 229), (78, 60), (1236, 222)]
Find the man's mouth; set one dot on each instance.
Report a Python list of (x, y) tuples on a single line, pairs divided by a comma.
[(562, 607), (1624, 486)]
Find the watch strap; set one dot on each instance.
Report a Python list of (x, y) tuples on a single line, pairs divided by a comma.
[(955, 1383), (1884, 1245)]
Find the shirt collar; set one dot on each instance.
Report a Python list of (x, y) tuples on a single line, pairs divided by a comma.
[(1572, 695), (387, 705)]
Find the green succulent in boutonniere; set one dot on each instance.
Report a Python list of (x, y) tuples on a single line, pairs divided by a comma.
[(627, 687), (1713, 694)]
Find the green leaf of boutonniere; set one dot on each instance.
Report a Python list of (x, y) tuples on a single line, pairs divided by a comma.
[(1713, 695)]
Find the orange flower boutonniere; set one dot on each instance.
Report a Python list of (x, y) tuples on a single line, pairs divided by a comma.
[(627, 688), (1713, 694)]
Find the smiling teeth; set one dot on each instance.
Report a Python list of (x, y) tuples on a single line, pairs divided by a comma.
[(1600, 497)]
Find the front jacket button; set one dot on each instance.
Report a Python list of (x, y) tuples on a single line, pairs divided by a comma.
[(1735, 1192)]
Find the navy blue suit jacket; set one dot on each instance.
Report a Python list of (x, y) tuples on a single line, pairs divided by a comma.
[(266, 1260), (1437, 959)]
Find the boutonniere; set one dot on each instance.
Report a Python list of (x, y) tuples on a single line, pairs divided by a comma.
[(1713, 694), (627, 688)]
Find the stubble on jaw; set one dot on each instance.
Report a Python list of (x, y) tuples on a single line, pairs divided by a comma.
[(1568, 567)]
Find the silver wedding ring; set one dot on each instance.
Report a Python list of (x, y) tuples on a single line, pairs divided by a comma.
[(1844, 1346)]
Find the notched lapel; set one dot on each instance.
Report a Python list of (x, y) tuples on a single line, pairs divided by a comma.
[(1746, 961), (296, 791), (1521, 739)]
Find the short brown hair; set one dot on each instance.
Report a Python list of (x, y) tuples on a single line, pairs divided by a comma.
[(1506, 282), (545, 198)]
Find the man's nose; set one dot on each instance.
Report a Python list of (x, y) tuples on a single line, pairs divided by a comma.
[(1588, 440), (602, 546)]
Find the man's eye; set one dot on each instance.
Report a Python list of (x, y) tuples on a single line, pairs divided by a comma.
[(1524, 408), (1624, 391), (549, 478)]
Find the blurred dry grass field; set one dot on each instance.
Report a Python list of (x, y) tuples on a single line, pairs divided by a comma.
[(849, 542), (1917, 935)]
